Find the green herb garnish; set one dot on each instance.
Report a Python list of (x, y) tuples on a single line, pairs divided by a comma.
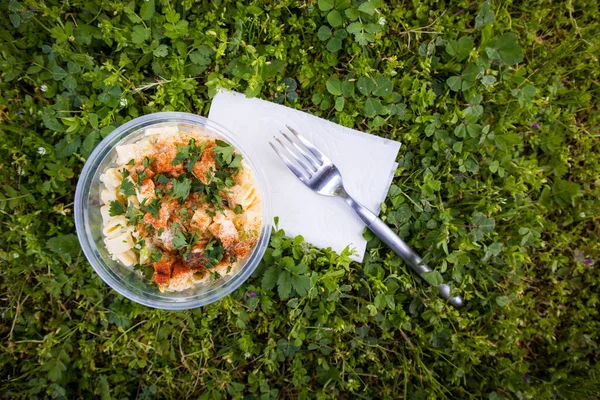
[(116, 208), (181, 189), (127, 188)]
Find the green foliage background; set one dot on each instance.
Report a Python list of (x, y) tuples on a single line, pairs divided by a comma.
[(498, 183)]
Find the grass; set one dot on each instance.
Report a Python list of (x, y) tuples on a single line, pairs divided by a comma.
[(498, 183)]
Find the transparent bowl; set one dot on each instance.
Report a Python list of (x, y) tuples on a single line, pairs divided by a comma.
[(88, 220)]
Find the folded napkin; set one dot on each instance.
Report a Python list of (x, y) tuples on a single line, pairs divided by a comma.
[(366, 162)]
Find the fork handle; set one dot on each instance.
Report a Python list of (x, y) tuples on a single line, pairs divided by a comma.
[(389, 237)]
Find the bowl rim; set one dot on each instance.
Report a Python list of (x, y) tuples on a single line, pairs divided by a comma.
[(105, 149)]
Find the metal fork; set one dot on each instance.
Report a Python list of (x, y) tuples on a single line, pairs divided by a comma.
[(317, 172)]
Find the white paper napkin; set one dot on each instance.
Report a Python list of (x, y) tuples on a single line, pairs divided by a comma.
[(366, 162)]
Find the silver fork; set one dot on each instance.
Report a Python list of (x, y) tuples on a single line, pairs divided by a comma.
[(317, 172)]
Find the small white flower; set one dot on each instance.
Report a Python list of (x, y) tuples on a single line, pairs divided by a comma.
[(582, 215), (15, 255), (123, 102), (41, 151), (125, 44), (247, 355), (43, 88), (381, 21), (99, 24)]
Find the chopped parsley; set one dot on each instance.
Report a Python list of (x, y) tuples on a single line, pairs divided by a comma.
[(127, 187), (116, 208), (141, 177), (179, 240), (149, 228), (189, 155), (238, 209), (133, 214), (131, 162), (163, 180), (213, 252), (197, 185), (237, 162), (152, 207), (181, 189), (148, 161), (156, 256), (184, 214), (223, 153), (226, 156), (146, 270), (124, 172), (183, 241)]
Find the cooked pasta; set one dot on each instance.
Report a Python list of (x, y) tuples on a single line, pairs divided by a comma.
[(184, 204)]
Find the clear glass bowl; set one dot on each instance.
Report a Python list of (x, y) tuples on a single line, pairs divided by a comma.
[(88, 220)]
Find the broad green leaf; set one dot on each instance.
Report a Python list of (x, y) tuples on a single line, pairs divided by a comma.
[(284, 284), (335, 18), (269, 279), (339, 104), (485, 15), (58, 73), (324, 33), (366, 85), (373, 107), (452, 47), (348, 89), (488, 80), (340, 33), (380, 301), (93, 118), (433, 278), (454, 83), (461, 131), (334, 86), (139, 34), (495, 248), (334, 44), (55, 368), (361, 36), (486, 224), (565, 192), (502, 301), (464, 46), (524, 95), (325, 5), (73, 68), (369, 7), (161, 51), (457, 147), (301, 284), (507, 47), (471, 73), (383, 86), (66, 245), (15, 20), (474, 130), (88, 144), (494, 166), (373, 28), (147, 10), (70, 83)]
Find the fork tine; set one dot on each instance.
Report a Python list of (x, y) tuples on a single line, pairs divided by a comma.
[(310, 159), (290, 152), (289, 164), (320, 156)]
